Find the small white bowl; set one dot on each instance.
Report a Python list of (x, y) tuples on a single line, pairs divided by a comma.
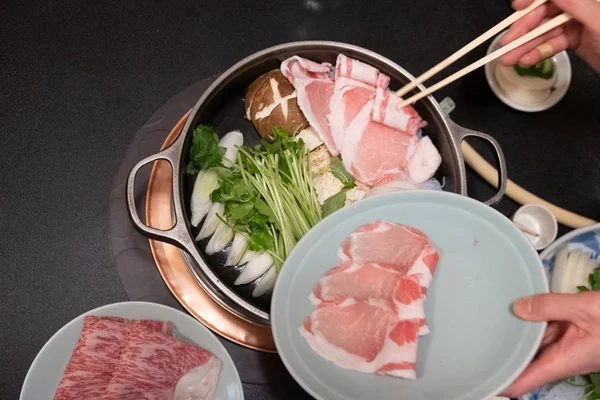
[(539, 220), (558, 91)]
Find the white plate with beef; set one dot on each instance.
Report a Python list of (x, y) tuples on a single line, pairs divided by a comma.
[(133, 350)]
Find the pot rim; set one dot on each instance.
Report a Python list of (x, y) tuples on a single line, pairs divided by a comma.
[(181, 236)]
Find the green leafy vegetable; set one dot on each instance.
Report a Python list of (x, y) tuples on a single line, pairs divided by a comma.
[(543, 69), (268, 194), (595, 378), (338, 170), (205, 152), (594, 280), (334, 203)]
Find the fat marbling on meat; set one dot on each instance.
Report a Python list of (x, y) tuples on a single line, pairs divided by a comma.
[(97, 354), (391, 245), (385, 111), (116, 358), (363, 336), (151, 364), (369, 309), (314, 89), (351, 280), (355, 115)]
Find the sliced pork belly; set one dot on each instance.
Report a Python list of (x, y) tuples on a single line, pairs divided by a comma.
[(151, 364), (301, 68), (396, 246), (349, 98), (424, 267), (374, 153), (385, 112), (350, 280), (314, 90), (364, 336), (357, 70)]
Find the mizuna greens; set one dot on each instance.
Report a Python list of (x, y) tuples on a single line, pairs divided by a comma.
[(267, 193)]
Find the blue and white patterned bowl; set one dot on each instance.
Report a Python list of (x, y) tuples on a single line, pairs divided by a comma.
[(587, 239)]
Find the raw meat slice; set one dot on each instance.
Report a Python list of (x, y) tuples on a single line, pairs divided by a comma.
[(374, 153), (348, 67), (151, 364), (301, 68), (96, 355), (314, 89), (349, 97), (390, 245), (385, 112), (424, 267), (424, 161), (350, 280), (364, 336)]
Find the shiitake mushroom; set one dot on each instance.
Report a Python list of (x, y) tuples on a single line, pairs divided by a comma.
[(270, 102)]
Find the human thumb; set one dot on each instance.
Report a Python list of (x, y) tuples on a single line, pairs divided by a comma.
[(549, 307), (585, 11)]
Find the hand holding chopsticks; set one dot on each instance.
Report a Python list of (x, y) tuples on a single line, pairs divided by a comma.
[(555, 22), (475, 43)]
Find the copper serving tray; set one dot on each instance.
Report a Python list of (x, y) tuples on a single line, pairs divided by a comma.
[(176, 274)]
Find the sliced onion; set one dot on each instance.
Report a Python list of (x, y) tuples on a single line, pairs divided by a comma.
[(237, 250), (231, 142), (266, 283), (206, 182), (222, 236), (254, 269), (211, 223)]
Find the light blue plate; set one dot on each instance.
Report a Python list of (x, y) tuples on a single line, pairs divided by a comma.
[(586, 239), (47, 369), (476, 347)]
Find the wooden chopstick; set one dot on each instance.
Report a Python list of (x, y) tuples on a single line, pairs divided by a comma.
[(475, 43), (553, 23)]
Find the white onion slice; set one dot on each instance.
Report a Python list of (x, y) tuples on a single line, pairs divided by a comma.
[(231, 141), (211, 223), (222, 236), (237, 250), (266, 283), (206, 182), (254, 269)]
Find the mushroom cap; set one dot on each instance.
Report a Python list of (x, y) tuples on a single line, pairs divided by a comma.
[(270, 102)]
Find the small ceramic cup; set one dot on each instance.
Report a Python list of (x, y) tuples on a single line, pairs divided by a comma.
[(536, 219), (563, 76)]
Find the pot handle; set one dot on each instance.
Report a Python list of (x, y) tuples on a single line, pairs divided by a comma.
[(177, 231), (461, 134)]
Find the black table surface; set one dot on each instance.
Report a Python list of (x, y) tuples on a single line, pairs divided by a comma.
[(78, 78)]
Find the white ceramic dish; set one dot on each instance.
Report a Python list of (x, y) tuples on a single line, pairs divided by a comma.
[(537, 219), (563, 80), (47, 369), (586, 239)]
